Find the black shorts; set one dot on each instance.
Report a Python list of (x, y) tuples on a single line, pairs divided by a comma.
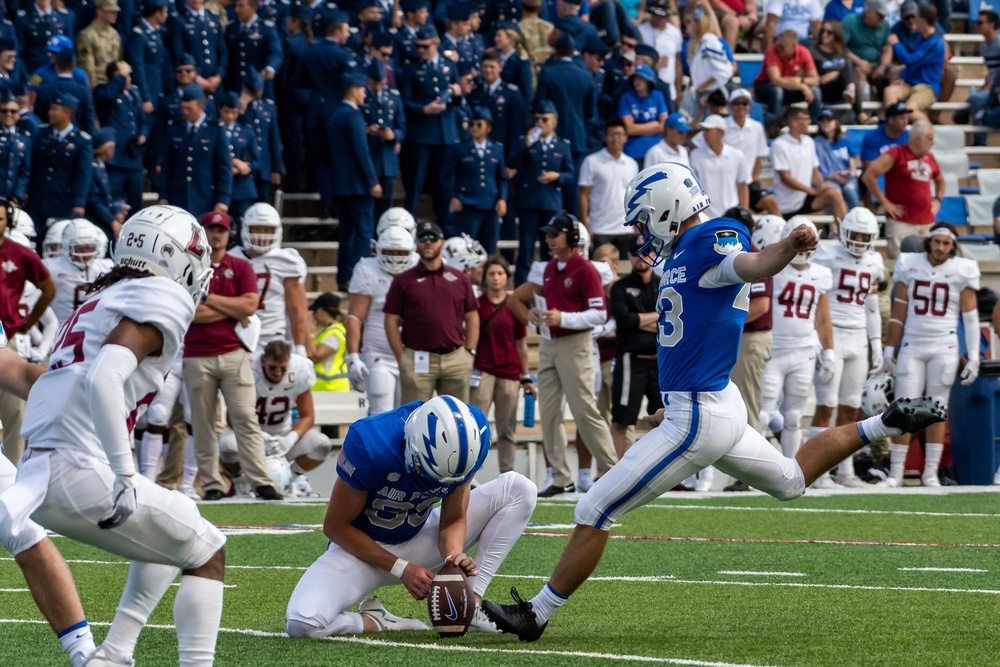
[(805, 209), (756, 194), (633, 379)]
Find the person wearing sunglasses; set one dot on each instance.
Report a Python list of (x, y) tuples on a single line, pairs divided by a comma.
[(15, 152)]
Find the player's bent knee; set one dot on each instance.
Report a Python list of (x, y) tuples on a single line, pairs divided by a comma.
[(300, 629)]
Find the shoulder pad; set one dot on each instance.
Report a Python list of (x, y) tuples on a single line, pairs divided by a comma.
[(510, 86), (137, 30), (268, 22), (393, 91), (21, 12), (84, 135)]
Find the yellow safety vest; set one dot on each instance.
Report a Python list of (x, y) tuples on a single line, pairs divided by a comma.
[(331, 375)]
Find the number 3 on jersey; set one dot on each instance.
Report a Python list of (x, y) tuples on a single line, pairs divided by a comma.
[(670, 305)]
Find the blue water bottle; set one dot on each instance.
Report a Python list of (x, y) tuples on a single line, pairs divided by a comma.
[(295, 415), (529, 406)]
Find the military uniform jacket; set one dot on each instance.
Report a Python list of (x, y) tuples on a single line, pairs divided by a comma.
[(34, 31), (385, 110), (61, 172), (353, 171), (201, 38), (531, 161), (15, 164), (289, 90), (84, 116), (146, 53), (243, 146), (168, 113), (463, 47), (122, 110), (95, 48), (476, 181), (257, 45), (404, 50), (517, 71), (101, 206), (571, 89), (324, 66), (421, 84), (276, 12), (510, 115), (262, 118), (196, 173)]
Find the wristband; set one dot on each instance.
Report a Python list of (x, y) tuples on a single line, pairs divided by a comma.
[(525, 379), (398, 567)]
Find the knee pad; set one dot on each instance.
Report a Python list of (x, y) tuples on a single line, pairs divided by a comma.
[(793, 419), (520, 489), (228, 449), (297, 628), (794, 487), (322, 446)]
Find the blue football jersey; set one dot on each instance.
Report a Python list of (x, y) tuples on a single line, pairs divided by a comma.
[(372, 460), (699, 327)]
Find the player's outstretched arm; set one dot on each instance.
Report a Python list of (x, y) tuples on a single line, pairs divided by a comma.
[(17, 375), (755, 266)]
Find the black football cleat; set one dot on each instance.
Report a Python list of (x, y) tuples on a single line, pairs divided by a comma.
[(213, 494), (516, 619), (555, 490), (910, 415), (268, 492)]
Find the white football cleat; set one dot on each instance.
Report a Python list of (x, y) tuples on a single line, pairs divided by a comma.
[(300, 487), (100, 658), (189, 491), (930, 479), (824, 481), (852, 482), (374, 609), (244, 489), (891, 482), (482, 623)]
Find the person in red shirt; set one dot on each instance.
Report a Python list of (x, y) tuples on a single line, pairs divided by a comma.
[(18, 265), (215, 359), (909, 170), (788, 76)]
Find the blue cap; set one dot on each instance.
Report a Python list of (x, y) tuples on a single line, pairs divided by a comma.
[(66, 100), (545, 107), (65, 55), (154, 4), (507, 24), (646, 72), (565, 42), (381, 38), (427, 32), (415, 5), (594, 44), (648, 51), (192, 92), (465, 67), (482, 113), (354, 80), (58, 43), (575, 3), (366, 4), (186, 60), (678, 122), (458, 11), (338, 16), (301, 10), (376, 70), (7, 44), (825, 113), (228, 101), (103, 136), (252, 80)]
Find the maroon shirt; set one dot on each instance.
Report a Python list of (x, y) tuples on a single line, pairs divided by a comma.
[(17, 266), (233, 277), (759, 290), (572, 289), (497, 353), (432, 305)]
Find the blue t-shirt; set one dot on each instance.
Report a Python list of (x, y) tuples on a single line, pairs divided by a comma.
[(699, 328), (833, 158), (924, 62), (836, 11), (642, 110), (372, 460), (877, 142)]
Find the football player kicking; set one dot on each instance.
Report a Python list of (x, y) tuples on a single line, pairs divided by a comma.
[(702, 306), (284, 380), (393, 469), (933, 290), (78, 476)]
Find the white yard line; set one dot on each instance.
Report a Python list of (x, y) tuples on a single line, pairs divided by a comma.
[(802, 510), (939, 569), (741, 573)]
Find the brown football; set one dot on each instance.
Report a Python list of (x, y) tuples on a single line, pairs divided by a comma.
[(451, 603)]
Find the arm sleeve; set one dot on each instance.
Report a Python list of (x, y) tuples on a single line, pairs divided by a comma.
[(779, 157), (105, 386), (873, 317), (970, 322), (84, 173), (586, 173), (587, 319), (722, 274)]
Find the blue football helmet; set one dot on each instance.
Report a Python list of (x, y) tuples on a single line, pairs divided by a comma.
[(658, 200), (446, 441)]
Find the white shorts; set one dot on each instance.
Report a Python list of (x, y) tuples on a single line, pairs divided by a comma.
[(850, 348), (27, 534), (699, 429), (68, 492), (926, 368), (313, 444), (337, 580), (789, 374), (381, 383)]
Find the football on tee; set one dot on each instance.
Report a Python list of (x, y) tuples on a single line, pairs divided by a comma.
[(451, 603)]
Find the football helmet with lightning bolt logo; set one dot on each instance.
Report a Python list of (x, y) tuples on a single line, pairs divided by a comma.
[(446, 441), (658, 200)]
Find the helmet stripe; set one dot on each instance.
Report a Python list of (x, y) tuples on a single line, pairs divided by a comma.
[(463, 437)]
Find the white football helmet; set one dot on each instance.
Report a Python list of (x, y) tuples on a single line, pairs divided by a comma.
[(446, 441), (17, 237), (167, 241), (793, 222), (83, 242), (659, 199), (463, 252), (279, 470), (395, 250), (261, 215), (24, 224), (767, 229), (52, 246), (859, 221), (879, 391), (396, 217)]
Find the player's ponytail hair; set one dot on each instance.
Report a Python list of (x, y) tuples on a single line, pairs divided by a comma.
[(117, 274)]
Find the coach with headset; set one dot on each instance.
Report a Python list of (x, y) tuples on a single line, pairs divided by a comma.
[(573, 305)]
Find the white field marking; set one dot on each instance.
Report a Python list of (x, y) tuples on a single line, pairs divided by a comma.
[(939, 569), (177, 584), (740, 573), (15, 590), (649, 579), (804, 510), (351, 639)]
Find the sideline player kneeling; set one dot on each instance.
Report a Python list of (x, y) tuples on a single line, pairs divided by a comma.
[(393, 469)]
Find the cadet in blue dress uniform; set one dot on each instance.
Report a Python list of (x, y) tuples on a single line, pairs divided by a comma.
[(252, 41), (454, 45), (386, 121), (462, 104), (64, 83), (61, 169), (415, 13), (321, 14), (104, 208), (353, 185), (574, 26), (195, 170), (28, 122), (543, 166), (15, 152), (474, 174), (261, 116), (119, 106), (36, 26), (244, 153), (276, 11), (293, 97), (198, 32), (427, 88), (516, 68), (146, 53)]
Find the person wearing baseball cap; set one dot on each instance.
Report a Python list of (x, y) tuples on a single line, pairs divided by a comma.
[(671, 148), (330, 343), (721, 169), (891, 133), (644, 111), (62, 166), (100, 43)]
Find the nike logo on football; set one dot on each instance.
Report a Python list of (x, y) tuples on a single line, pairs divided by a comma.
[(452, 611)]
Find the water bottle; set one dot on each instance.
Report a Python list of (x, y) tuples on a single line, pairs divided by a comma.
[(295, 415), (534, 134), (529, 406)]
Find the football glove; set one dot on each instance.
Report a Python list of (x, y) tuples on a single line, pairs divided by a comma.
[(888, 363), (970, 372), (279, 445), (356, 371), (124, 500), (827, 366), (877, 361)]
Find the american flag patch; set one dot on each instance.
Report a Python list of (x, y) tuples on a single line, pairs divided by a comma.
[(344, 464)]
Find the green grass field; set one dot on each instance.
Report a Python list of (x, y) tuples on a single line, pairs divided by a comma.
[(853, 579)]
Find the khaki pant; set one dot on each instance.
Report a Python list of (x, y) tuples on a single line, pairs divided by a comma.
[(919, 96), (755, 350), (448, 374), (566, 370), (503, 394), (173, 463), (204, 378), (897, 230), (11, 414)]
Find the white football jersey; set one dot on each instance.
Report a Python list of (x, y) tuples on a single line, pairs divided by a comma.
[(933, 292), (369, 279), (853, 278), (793, 305), (71, 283), (272, 269), (275, 401), (58, 409)]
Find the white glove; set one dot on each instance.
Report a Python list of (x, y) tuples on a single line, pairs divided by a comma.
[(356, 371), (970, 372), (300, 350), (877, 361), (123, 502), (888, 364), (827, 366), (279, 446), (35, 356)]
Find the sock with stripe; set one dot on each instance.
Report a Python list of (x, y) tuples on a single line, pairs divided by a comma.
[(873, 429), (545, 603), (78, 642)]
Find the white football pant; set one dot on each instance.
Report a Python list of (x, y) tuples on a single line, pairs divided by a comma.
[(850, 348), (789, 374), (381, 383)]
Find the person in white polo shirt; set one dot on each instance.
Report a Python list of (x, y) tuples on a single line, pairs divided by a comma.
[(671, 148), (721, 169), (798, 185), (604, 177)]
